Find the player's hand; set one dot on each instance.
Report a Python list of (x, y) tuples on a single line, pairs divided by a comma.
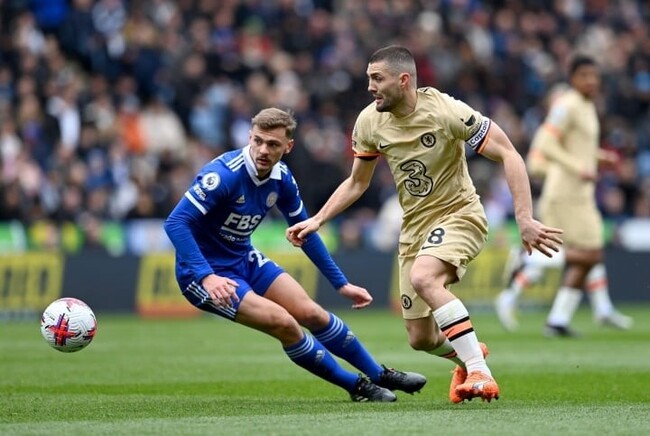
[(222, 290), (297, 233), (535, 235), (360, 296), (609, 157), (588, 176)]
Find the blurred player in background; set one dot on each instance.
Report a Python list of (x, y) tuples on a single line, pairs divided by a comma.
[(219, 271), (568, 141), (522, 270), (422, 134)]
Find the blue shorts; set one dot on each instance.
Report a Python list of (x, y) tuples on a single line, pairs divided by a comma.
[(255, 272)]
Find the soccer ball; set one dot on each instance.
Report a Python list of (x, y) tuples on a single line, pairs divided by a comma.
[(68, 324)]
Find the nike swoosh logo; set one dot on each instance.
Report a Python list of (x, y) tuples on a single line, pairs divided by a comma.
[(381, 147)]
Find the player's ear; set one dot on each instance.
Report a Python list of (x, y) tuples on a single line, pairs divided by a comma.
[(405, 79), (289, 147)]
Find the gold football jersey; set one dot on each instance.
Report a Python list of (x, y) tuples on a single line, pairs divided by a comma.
[(425, 151), (569, 139)]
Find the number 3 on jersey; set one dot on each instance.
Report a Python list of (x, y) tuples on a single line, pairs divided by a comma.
[(418, 183)]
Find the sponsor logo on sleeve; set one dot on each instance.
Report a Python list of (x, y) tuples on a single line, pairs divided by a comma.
[(199, 192), (210, 181)]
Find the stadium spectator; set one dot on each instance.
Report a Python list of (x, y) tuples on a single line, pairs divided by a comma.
[(229, 59)]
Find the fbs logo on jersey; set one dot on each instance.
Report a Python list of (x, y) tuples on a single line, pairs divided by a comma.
[(210, 181)]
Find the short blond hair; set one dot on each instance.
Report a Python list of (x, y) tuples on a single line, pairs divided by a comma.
[(272, 118)]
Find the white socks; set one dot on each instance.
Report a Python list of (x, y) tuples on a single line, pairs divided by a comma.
[(598, 291), (564, 306), (453, 319)]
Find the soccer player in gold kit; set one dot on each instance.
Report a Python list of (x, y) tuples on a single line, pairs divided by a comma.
[(566, 112), (569, 141), (422, 134)]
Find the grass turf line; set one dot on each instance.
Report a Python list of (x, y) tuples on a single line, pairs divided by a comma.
[(209, 376)]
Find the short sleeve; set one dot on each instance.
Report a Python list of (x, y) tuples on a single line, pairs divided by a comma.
[(362, 143), (558, 119), (208, 188), (290, 203), (465, 123)]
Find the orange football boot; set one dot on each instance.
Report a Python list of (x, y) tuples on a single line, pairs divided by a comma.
[(459, 375), (480, 385)]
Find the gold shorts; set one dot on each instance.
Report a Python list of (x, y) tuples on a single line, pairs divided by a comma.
[(456, 239), (581, 222)]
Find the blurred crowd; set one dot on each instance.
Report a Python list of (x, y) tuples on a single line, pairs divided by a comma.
[(108, 107)]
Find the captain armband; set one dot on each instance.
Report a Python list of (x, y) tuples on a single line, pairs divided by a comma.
[(480, 137)]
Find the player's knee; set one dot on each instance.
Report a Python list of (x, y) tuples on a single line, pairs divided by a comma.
[(421, 343), (422, 280), (313, 317), (285, 327)]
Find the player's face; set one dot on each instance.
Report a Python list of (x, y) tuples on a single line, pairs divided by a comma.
[(384, 87), (267, 148), (586, 80)]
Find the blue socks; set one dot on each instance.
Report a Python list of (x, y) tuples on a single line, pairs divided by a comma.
[(341, 341), (314, 357)]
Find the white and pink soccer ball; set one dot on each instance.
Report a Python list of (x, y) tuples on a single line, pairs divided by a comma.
[(68, 324)]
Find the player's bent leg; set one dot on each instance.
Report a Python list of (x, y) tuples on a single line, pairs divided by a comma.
[(288, 293), (305, 350), (425, 335), (430, 277), (337, 337), (525, 271)]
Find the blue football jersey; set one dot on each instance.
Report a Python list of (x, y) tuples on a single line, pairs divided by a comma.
[(212, 224)]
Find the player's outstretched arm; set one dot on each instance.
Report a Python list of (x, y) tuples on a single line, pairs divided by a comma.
[(534, 235), (346, 194)]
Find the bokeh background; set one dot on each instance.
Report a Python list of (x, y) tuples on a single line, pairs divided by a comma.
[(109, 107)]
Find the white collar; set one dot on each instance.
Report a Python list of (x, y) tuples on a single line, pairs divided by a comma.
[(276, 172)]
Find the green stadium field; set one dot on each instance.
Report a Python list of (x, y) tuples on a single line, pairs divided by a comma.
[(209, 376)]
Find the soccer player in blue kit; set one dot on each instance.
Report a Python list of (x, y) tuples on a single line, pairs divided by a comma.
[(219, 271)]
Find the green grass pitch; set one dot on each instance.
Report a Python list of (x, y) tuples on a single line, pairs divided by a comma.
[(209, 376)]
